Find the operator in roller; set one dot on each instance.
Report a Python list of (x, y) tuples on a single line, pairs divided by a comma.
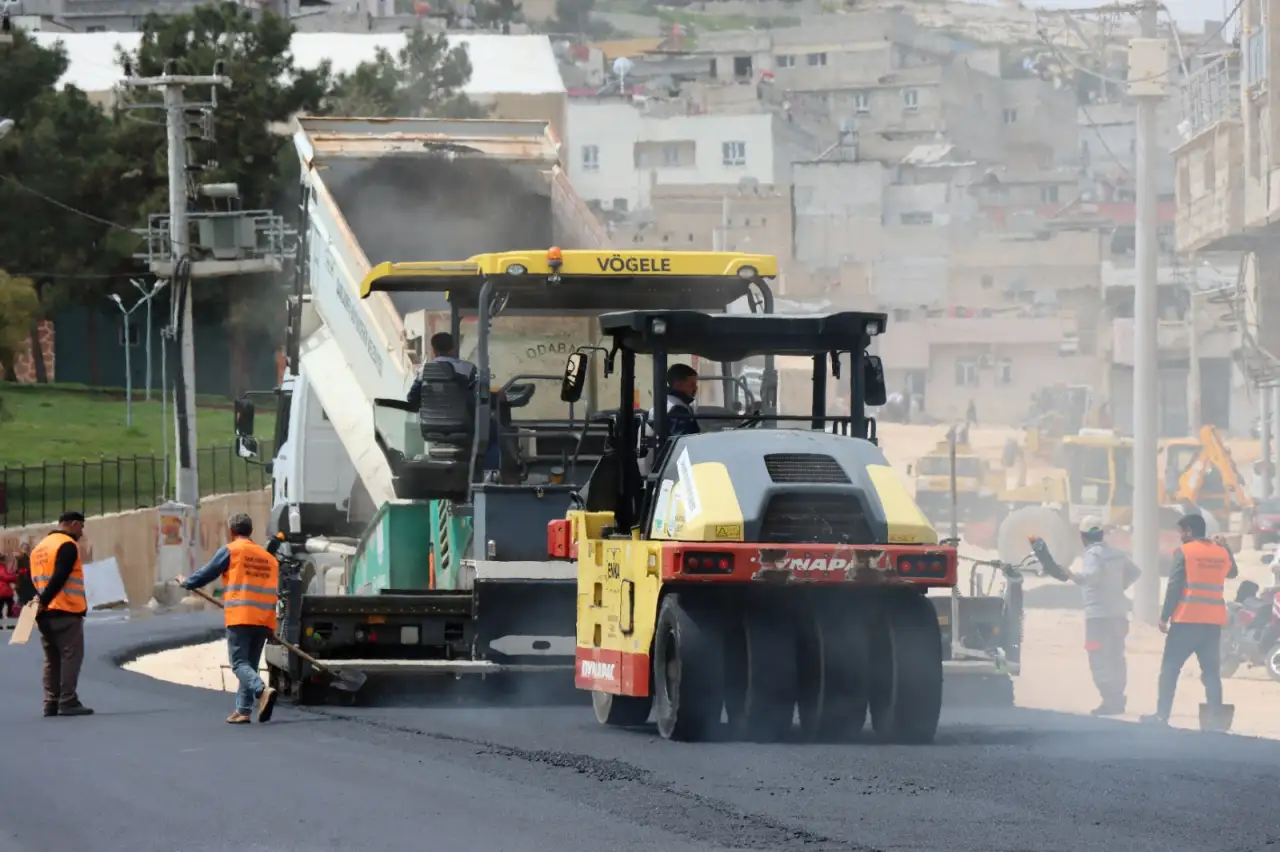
[(682, 405)]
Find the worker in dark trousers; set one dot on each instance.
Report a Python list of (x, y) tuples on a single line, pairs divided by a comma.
[(1105, 573), (1194, 613), (58, 577)]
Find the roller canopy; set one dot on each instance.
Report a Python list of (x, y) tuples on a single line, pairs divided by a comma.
[(733, 337)]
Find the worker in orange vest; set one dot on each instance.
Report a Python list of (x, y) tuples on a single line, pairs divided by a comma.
[(252, 583), (58, 576), (1194, 613)]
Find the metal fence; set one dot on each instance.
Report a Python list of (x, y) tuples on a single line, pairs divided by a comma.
[(1210, 95), (39, 493)]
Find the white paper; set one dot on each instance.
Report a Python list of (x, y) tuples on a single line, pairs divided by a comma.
[(692, 502), (661, 508), (102, 583)]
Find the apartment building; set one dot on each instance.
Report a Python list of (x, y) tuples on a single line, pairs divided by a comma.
[(1227, 186), (623, 148)]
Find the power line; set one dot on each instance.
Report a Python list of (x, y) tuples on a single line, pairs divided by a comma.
[(67, 207), (1044, 37), (86, 276)]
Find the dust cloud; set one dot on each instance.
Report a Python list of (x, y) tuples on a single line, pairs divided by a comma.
[(437, 208)]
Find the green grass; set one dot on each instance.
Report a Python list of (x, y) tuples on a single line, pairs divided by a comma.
[(67, 446)]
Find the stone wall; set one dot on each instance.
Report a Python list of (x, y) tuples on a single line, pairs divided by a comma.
[(131, 537), (24, 367)]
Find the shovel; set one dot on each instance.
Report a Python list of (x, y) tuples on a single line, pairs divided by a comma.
[(344, 680)]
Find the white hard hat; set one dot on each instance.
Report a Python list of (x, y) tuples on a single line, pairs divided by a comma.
[(1090, 523)]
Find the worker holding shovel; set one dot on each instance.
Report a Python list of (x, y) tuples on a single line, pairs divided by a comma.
[(249, 607)]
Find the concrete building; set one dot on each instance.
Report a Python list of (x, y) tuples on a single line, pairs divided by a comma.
[(1227, 184), (998, 362), (621, 149)]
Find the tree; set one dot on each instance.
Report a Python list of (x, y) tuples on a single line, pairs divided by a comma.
[(250, 145), (57, 190), (424, 78), (19, 310), (500, 14)]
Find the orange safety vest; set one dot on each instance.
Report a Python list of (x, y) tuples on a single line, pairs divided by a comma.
[(252, 586), (43, 558), (1202, 598)]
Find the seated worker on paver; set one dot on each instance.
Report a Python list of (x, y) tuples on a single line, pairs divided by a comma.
[(445, 349), (249, 611)]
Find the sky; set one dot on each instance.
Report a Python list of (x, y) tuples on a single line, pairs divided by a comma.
[(1190, 14)]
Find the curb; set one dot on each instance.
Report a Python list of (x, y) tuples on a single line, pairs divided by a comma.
[(194, 635)]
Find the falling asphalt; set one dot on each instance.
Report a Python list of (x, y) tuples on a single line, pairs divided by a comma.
[(157, 769)]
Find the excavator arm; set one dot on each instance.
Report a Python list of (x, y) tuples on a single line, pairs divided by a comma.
[(1211, 478)]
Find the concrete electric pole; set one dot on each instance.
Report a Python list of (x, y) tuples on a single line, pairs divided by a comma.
[(1148, 84), (176, 109)]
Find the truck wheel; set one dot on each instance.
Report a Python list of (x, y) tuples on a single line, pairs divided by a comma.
[(769, 683), (688, 674), (834, 662), (624, 711), (906, 690)]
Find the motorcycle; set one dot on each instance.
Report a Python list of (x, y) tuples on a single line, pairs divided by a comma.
[(1252, 634)]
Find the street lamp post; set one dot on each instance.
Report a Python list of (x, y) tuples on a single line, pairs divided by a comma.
[(146, 297), (128, 361), (6, 124)]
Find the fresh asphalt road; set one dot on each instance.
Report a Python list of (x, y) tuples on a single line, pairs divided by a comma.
[(156, 770)]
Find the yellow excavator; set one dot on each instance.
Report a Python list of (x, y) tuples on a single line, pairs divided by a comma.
[(1200, 472), (1095, 477)]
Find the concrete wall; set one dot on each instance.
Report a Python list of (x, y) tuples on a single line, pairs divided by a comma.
[(685, 218), (987, 268), (612, 130), (838, 209), (131, 537)]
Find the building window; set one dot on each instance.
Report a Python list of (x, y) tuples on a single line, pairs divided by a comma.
[(734, 153), (1010, 115), (967, 374), (987, 282), (785, 60), (901, 314), (1004, 371), (671, 156), (910, 99), (591, 158), (817, 59), (917, 218), (861, 102), (742, 67), (1049, 194)]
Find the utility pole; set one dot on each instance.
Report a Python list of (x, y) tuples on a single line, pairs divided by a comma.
[(181, 260), (1148, 81)]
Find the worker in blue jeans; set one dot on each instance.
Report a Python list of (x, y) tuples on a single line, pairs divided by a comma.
[(252, 577)]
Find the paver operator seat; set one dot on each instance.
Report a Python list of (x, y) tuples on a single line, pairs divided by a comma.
[(447, 415)]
